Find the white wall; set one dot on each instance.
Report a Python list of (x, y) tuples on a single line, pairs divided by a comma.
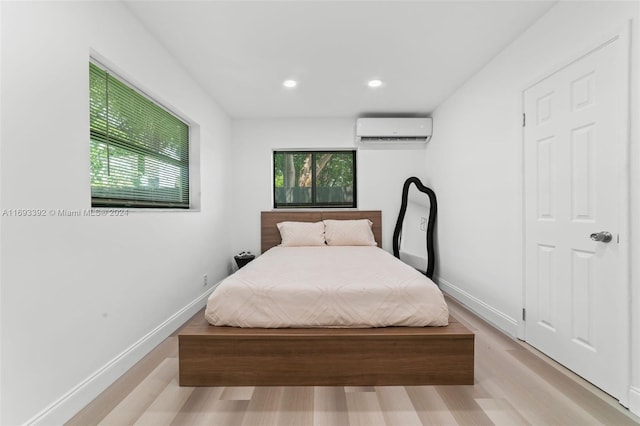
[(84, 297), (475, 166), (381, 172)]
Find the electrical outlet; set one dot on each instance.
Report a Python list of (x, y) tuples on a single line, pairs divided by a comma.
[(423, 224), (205, 280)]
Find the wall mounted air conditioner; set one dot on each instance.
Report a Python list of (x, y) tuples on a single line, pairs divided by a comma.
[(393, 130)]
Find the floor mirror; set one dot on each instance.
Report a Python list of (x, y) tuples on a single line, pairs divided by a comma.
[(413, 233)]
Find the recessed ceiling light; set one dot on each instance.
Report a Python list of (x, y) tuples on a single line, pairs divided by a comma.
[(374, 83), (290, 83)]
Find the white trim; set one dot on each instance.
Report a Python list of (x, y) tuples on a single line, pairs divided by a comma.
[(624, 188), (1, 340), (521, 212), (485, 311), (634, 400), (86, 391)]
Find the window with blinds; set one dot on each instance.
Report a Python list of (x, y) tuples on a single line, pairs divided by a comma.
[(139, 150)]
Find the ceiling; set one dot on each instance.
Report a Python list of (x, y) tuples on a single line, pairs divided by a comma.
[(241, 51)]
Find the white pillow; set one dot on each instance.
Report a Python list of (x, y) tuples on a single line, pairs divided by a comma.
[(349, 232), (295, 234)]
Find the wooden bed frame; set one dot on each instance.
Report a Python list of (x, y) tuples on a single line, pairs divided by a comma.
[(229, 356)]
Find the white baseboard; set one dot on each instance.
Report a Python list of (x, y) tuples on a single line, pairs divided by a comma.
[(634, 400), (77, 398), (488, 313)]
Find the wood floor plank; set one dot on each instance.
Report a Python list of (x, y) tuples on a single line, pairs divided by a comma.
[(198, 407), (396, 406), (330, 406), (504, 379), (464, 408), (429, 406), (166, 406), (364, 409), (296, 406), (262, 410), (501, 412), (136, 403), (227, 412)]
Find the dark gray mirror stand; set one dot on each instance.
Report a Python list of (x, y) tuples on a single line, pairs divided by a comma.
[(433, 211)]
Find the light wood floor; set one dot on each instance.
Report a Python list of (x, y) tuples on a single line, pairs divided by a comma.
[(514, 385)]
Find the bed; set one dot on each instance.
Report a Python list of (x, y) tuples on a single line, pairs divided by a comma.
[(309, 353)]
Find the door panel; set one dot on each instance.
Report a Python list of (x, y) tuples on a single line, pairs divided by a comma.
[(546, 178), (582, 166), (582, 296), (547, 296)]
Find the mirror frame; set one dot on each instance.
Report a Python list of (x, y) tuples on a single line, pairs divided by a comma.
[(433, 211)]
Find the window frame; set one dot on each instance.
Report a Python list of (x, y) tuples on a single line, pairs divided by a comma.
[(314, 204), (186, 163)]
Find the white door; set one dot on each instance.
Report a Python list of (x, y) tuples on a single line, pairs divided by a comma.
[(575, 179)]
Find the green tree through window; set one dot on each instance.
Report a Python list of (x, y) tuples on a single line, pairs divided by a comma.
[(139, 151), (314, 179)]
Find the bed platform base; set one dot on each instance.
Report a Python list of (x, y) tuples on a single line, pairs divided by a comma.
[(229, 356)]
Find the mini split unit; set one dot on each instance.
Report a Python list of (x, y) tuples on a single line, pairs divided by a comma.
[(393, 130)]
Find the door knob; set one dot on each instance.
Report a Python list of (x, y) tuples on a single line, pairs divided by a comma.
[(602, 236)]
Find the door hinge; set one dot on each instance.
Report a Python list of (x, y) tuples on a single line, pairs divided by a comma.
[(524, 119), (524, 314)]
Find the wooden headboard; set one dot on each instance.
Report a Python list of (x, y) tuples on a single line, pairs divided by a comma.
[(270, 236)]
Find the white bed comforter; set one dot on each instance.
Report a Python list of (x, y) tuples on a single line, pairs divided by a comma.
[(327, 287)]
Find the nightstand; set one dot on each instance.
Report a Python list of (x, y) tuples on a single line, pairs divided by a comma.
[(243, 258)]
